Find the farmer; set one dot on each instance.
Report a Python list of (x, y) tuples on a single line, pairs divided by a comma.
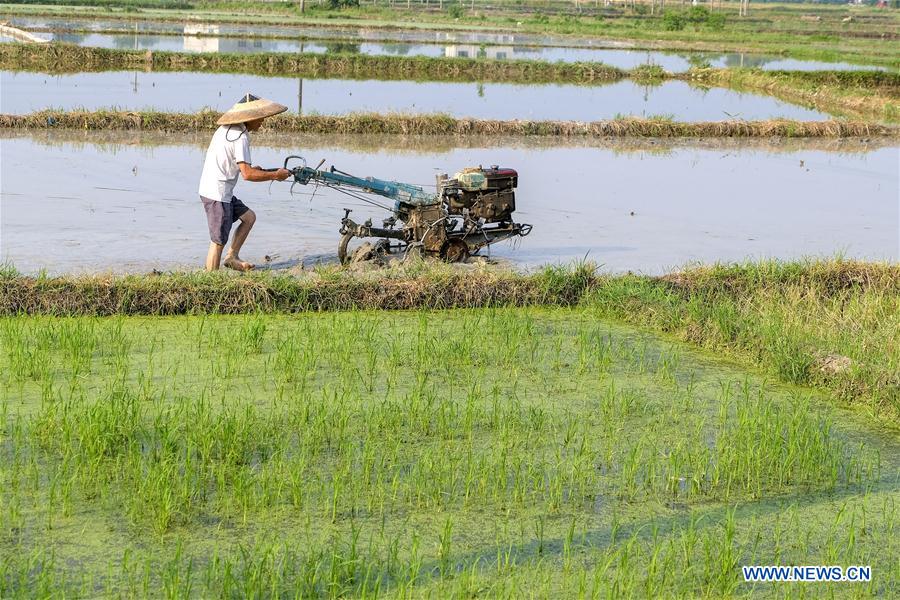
[(227, 157)]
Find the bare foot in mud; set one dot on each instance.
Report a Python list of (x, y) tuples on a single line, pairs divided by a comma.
[(234, 262)]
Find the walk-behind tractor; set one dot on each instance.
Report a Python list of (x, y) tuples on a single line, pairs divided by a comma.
[(468, 212)]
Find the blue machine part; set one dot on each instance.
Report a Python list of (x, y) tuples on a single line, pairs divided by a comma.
[(401, 193)]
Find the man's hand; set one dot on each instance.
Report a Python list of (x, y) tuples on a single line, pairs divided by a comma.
[(255, 173)]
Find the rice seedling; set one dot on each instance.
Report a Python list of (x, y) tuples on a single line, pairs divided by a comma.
[(398, 453)]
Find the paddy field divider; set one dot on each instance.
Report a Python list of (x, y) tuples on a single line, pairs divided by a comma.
[(445, 125)]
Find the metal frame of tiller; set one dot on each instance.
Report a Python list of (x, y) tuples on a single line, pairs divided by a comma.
[(469, 212)]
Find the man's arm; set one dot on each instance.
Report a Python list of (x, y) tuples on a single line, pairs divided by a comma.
[(256, 174)]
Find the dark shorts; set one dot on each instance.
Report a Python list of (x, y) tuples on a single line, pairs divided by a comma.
[(221, 216)]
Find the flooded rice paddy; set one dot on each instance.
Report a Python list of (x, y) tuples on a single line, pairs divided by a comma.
[(24, 92), (191, 445), (117, 203), (209, 37)]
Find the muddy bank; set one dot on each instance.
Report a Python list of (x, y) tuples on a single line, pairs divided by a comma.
[(186, 293), (412, 285), (442, 125)]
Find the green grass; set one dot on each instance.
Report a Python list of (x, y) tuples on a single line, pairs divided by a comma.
[(497, 452), (826, 323), (873, 94)]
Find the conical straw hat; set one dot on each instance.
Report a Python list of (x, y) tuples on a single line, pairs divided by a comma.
[(250, 108)]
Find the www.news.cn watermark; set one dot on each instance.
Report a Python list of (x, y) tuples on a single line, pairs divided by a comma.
[(773, 573)]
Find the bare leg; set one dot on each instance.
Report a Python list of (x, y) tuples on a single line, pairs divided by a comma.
[(213, 256), (233, 259)]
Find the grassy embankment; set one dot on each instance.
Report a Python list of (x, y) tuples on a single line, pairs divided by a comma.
[(492, 451), (861, 94), (69, 58), (871, 37), (444, 125), (876, 95)]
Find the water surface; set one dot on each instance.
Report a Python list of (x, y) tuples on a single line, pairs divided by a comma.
[(22, 92), (131, 207)]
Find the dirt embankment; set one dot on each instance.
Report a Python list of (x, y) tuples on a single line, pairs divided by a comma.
[(444, 125)]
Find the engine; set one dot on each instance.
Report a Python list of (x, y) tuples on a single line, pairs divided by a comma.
[(469, 212), (487, 194)]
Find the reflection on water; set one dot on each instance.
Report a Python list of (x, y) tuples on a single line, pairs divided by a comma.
[(137, 208), (205, 37), (22, 92), (117, 139)]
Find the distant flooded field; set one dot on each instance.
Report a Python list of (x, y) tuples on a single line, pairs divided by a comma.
[(211, 37)]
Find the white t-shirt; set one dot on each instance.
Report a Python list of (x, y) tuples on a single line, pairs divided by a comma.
[(230, 145)]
